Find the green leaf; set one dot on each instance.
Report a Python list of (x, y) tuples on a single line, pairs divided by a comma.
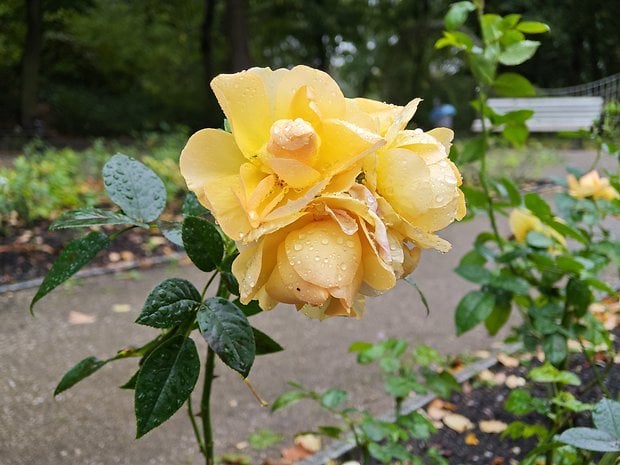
[(568, 401), (555, 348), (537, 205), (287, 399), (518, 53), (498, 318), (473, 308), (249, 309), (483, 68), (330, 431), (511, 283), (172, 230), (73, 257), (263, 438), (134, 187), (228, 332), (550, 374), (171, 303), (538, 240), (606, 417), (457, 14), (474, 273), (578, 297), (520, 402), (80, 371), (516, 134), (203, 243), (512, 191), (417, 425), (167, 378), (192, 207), (332, 398), (443, 383), (513, 85), (491, 25), (590, 439), (91, 217), (532, 27), (264, 344)]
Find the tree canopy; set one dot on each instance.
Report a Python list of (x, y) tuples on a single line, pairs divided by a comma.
[(116, 66)]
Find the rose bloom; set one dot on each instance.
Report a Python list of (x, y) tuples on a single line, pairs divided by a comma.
[(591, 185), (290, 142), (326, 261), (411, 174), (522, 221)]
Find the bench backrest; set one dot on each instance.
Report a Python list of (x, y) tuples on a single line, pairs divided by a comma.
[(551, 114)]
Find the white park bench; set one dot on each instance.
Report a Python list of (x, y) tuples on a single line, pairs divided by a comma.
[(551, 114)]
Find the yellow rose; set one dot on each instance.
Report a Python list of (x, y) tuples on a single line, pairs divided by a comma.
[(291, 141), (413, 174), (325, 262), (522, 221), (591, 185)]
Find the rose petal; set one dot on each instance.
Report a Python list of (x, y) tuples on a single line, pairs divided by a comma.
[(323, 254)]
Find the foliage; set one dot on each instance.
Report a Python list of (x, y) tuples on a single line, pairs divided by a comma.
[(418, 370), (44, 181), (551, 268)]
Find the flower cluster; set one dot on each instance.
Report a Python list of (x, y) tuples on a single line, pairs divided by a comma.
[(329, 199), (591, 185)]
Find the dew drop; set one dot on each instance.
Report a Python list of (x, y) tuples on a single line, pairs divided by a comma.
[(343, 266), (350, 244), (340, 241), (324, 241), (439, 198), (298, 247)]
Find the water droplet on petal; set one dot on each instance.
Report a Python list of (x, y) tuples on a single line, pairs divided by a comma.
[(298, 247), (324, 241)]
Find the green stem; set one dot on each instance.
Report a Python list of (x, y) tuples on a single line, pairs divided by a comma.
[(483, 173), (205, 408), (204, 289), (192, 419), (118, 233)]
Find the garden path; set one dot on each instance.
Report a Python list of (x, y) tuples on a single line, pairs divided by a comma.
[(93, 422)]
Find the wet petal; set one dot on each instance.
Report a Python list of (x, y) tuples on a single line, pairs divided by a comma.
[(377, 274), (210, 165), (287, 286), (444, 136), (322, 90), (295, 173), (323, 254), (403, 178), (243, 99), (402, 119)]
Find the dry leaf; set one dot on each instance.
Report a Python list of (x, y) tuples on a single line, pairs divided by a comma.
[(482, 353), (471, 439), (295, 453), (492, 426), (437, 409), (486, 376), (114, 257), (79, 318), (310, 442), (498, 460), (242, 445), (507, 361), (514, 382), (457, 422), (121, 308), (127, 256)]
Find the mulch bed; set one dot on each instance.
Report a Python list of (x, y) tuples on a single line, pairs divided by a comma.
[(27, 254)]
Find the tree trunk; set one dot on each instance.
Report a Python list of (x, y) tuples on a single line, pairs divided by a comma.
[(239, 36), (31, 61)]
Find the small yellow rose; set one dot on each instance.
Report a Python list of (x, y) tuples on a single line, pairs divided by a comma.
[(591, 185), (291, 141), (325, 262), (413, 174), (522, 221)]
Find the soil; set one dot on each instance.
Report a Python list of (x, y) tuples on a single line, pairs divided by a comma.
[(479, 402), (27, 254)]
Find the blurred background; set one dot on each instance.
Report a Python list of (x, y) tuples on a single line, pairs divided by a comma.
[(121, 67)]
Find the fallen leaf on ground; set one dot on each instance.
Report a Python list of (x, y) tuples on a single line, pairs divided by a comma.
[(482, 353), (242, 445), (437, 409), (492, 426), (79, 318), (513, 381), (295, 453), (471, 439), (508, 361), (457, 422), (127, 256), (114, 257), (310, 442), (121, 308)]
